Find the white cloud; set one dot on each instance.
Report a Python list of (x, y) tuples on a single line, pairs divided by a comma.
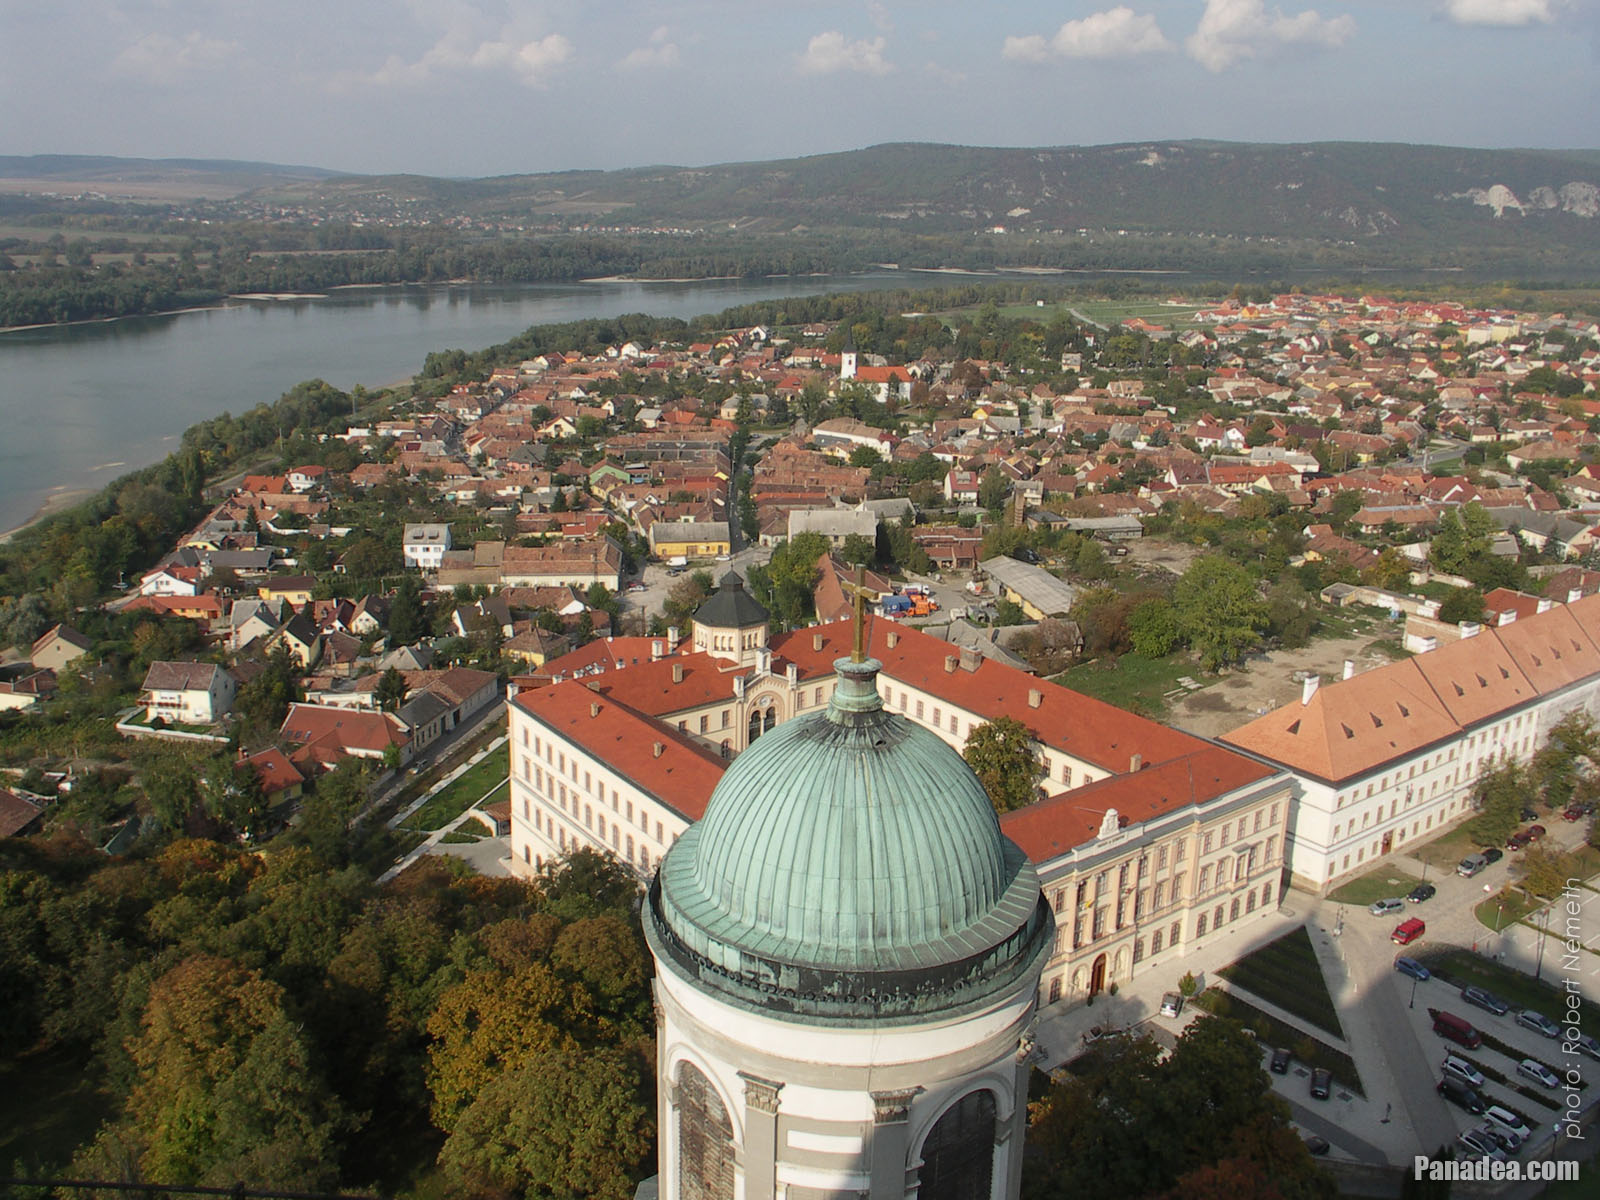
[(661, 51), (532, 60), (1230, 30), (879, 16), (1116, 33), (162, 59), (829, 52), (1500, 12)]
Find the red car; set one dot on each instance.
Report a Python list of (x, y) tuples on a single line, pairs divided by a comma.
[(1408, 931)]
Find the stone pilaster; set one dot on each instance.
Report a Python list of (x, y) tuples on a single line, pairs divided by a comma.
[(760, 1136), (891, 1143)]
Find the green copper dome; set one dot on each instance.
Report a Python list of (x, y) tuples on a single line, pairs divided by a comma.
[(850, 863)]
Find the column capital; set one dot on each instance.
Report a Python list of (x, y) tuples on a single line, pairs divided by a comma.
[(760, 1094), (889, 1108)]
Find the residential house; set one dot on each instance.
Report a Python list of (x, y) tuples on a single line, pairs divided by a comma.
[(424, 545), (58, 647), (187, 693)]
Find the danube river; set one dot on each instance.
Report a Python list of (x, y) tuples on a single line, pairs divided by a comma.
[(82, 404)]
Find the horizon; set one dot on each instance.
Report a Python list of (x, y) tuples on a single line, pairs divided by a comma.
[(471, 89)]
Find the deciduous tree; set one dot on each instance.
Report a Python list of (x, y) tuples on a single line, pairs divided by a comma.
[(1002, 754)]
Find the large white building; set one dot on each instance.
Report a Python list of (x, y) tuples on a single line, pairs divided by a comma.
[(623, 756), (1392, 756)]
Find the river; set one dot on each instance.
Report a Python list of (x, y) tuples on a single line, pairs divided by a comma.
[(82, 404)]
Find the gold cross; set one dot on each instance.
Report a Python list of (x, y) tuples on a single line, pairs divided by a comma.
[(858, 594)]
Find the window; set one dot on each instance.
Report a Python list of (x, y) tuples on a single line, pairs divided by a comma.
[(1266, 894), (705, 723), (1138, 949), (1155, 942), (919, 710), (952, 723), (1179, 849), (958, 1153), (1200, 926), (1233, 911), (1256, 827), (1216, 917), (938, 719), (1172, 934), (1205, 880), (1161, 894), (1205, 844), (705, 1139), (1225, 832), (1161, 858)]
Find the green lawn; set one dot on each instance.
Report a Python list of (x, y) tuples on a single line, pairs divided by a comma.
[(1285, 972), (1446, 851), (1462, 967), (1504, 909), (444, 806), (1379, 884), (1134, 682)]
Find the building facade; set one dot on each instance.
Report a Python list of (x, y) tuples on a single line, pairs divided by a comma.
[(1390, 756)]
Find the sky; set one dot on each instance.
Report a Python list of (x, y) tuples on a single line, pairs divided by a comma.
[(491, 87)]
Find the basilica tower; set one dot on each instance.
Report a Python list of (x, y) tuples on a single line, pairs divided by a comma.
[(847, 961)]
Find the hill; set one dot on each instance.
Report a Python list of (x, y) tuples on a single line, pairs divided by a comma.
[(1332, 191)]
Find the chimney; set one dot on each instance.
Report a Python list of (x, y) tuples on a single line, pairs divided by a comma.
[(893, 639), (659, 749), (971, 659), (1546, 605), (1349, 668), (1309, 688), (1507, 617), (677, 672), (594, 709), (792, 672), (951, 662), (816, 641), (657, 649), (672, 639), (1135, 763), (1469, 629), (738, 687), (1035, 697), (1574, 595)]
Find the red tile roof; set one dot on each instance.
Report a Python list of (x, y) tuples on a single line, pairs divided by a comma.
[(682, 776)]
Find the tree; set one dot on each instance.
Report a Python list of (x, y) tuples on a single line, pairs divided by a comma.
[(1391, 572), (1153, 628), (993, 488), (858, 549), (1291, 616), (1003, 756), (407, 617), (226, 1087), (865, 456), (569, 1123), (1462, 604), (231, 795), (391, 691), (1218, 610), (1499, 797)]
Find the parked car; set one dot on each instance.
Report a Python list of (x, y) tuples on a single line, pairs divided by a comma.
[(1535, 832), (1476, 1142), (636, 586), (1483, 998), (1528, 814), (1587, 1045), (1492, 855), (1518, 840), (1471, 865), (1321, 1083), (1411, 967), (1574, 812), (1461, 1095), (1459, 1068), (1171, 1004), (1280, 1062), (1024, 554), (1423, 891), (1316, 1143), (1538, 1022), (1532, 1068), (1408, 931), (1504, 1139), (1504, 1119), (1383, 908)]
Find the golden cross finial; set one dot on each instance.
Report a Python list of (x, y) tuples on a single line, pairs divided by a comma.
[(858, 601)]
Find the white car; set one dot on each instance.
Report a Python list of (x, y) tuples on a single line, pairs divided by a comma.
[(1530, 1068), (1171, 1004), (1463, 1070), (1503, 1118)]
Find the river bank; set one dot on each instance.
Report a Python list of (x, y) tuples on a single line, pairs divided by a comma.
[(58, 502)]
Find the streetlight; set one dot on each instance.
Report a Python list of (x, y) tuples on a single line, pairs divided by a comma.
[(1413, 1001), (1544, 922)]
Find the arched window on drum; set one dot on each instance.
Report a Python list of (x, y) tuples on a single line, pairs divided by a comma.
[(958, 1153)]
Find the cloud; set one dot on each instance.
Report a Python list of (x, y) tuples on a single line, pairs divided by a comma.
[(879, 16), (161, 59), (1116, 33), (1231, 30), (455, 53), (829, 52), (659, 52), (1500, 12)]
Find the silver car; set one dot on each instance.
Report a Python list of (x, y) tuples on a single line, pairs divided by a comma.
[(1480, 1145), (1382, 908), (1463, 1070), (1531, 1068)]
